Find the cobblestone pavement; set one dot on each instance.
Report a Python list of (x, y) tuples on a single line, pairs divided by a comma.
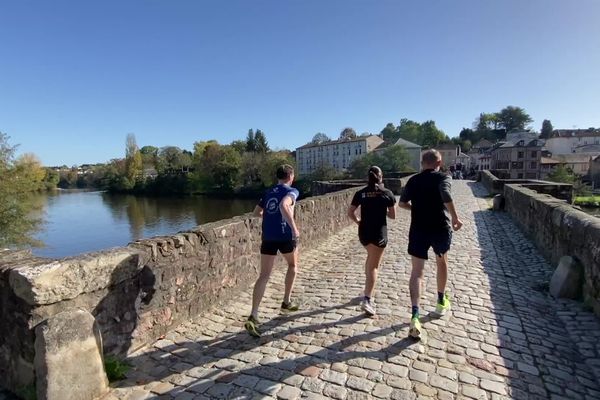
[(505, 337)]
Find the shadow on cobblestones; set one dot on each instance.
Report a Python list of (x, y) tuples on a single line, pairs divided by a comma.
[(212, 352), (528, 346)]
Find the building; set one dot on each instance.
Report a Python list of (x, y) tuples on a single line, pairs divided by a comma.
[(464, 160), (565, 141), (579, 163), (518, 159), (414, 152), (480, 155), (594, 172), (449, 152), (337, 154)]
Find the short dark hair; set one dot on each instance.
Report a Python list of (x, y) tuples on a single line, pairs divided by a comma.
[(284, 172), (430, 157)]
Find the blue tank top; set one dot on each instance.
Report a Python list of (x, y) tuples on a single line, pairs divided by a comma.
[(274, 226)]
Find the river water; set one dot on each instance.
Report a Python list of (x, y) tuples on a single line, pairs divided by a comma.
[(77, 222)]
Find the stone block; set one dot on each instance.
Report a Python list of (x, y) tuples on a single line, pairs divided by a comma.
[(567, 279), (66, 279), (498, 202), (68, 357)]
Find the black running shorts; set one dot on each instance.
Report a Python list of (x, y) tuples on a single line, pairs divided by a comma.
[(271, 247), (419, 242), (377, 240)]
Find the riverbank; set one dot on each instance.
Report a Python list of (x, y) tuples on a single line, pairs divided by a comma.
[(587, 201)]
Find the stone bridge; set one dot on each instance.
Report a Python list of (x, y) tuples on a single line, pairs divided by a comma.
[(506, 337)]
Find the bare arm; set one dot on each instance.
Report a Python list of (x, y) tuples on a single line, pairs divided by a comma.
[(391, 212), (456, 222), (258, 211), (352, 214), (447, 199), (404, 205), (287, 211)]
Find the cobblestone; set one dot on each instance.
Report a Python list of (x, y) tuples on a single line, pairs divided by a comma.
[(504, 338)]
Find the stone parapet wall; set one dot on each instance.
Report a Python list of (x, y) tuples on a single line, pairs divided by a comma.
[(559, 229), (495, 185), (395, 184), (139, 292)]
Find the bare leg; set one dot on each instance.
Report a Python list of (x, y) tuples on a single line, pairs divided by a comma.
[(416, 277), (442, 272), (290, 276), (374, 255), (266, 267)]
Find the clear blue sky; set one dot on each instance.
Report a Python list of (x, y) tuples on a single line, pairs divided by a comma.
[(77, 76)]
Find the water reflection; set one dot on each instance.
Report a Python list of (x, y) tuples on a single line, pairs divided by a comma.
[(77, 222)]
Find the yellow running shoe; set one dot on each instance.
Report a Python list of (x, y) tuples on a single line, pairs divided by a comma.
[(289, 307), (444, 307), (415, 329), (251, 326)]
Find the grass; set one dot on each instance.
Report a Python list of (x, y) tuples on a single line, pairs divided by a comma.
[(115, 368), (587, 201)]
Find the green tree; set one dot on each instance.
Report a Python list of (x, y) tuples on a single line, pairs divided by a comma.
[(389, 132), (226, 171), (347, 134), (320, 138), (466, 145), (170, 159), (431, 135), (18, 221), (199, 150), (30, 169), (51, 179), (547, 129), (133, 160), (262, 146), (513, 118), (250, 142), (239, 146), (359, 166), (268, 166), (218, 168), (409, 130), (394, 159), (149, 156), (561, 174)]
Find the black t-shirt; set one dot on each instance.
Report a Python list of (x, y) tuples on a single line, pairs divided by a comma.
[(427, 192), (373, 204)]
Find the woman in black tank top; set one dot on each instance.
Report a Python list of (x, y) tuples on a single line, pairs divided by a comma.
[(377, 204)]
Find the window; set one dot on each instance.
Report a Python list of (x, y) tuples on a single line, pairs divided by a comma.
[(520, 154), (519, 176), (533, 154), (533, 165)]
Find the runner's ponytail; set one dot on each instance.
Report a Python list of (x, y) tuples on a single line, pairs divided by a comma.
[(375, 178)]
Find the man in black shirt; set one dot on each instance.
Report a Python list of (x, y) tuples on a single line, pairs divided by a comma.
[(427, 196)]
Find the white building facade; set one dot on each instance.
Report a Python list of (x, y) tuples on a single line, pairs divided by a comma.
[(338, 154)]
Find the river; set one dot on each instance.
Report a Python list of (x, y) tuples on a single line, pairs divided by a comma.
[(77, 221)]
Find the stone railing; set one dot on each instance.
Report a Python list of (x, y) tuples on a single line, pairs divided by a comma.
[(495, 185), (395, 184), (139, 292), (559, 229)]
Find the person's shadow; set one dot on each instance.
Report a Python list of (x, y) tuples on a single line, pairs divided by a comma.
[(128, 295)]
